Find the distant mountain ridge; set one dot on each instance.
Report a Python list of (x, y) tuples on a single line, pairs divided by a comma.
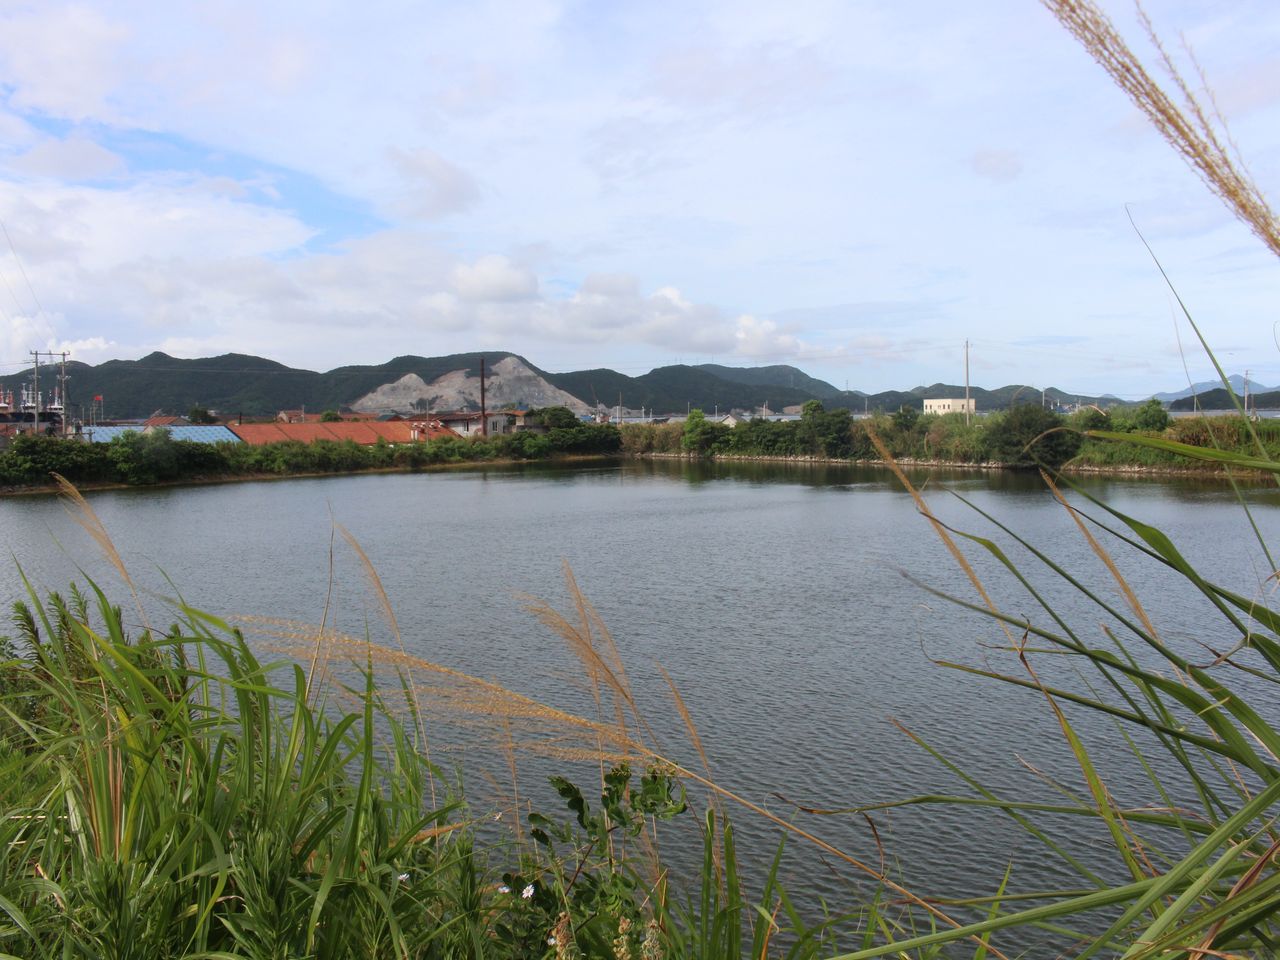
[(1207, 386), (237, 383), (1221, 400)]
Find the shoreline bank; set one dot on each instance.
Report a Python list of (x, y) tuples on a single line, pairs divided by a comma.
[(1128, 471), (1206, 471), (48, 489)]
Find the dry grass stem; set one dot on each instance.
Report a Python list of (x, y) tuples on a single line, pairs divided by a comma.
[(83, 514), (1198, 133), (576, 737), (1130, 597), (384, 604), (940, 529)]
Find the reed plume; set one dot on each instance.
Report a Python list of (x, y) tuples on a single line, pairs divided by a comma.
[(1189, 122)]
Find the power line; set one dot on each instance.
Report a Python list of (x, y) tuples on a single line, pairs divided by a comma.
[(22, 270)]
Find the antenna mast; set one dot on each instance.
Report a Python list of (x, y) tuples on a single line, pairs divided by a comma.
[(966, 383)]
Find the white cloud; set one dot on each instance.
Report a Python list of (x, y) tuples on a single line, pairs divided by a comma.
[(75, 158), (20, 334), (758, 80), (88, 350), (494, 277), (1002, 166), (731, 179), (94, 230), (432, 186), (762, 340), (61, 59)]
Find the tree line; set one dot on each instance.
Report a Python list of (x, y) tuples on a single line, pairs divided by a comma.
[(154, 456), (1025, 436)]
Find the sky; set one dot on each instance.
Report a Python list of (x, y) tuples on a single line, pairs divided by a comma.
[(853, 187)]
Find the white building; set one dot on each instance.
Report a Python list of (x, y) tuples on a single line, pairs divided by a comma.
[(959, 405)]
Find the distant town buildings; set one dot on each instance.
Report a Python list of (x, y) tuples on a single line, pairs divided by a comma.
[(949, 405)]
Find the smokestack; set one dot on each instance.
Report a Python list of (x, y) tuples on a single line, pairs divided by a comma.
[(484, 417)]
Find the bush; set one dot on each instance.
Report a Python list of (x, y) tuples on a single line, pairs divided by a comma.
[(700, 436), (1029, 436)]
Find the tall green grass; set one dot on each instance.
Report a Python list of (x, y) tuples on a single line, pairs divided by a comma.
[(1197, 853), (167, 793), (171, 795)]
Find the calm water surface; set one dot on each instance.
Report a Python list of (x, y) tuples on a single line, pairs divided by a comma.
[(775, 597)]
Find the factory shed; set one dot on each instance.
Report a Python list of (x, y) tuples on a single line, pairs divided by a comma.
[(197, 434)]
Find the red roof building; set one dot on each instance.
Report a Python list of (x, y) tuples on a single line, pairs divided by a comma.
[(364, 433)]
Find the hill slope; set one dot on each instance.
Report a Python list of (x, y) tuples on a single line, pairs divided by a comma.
[(254, 386)]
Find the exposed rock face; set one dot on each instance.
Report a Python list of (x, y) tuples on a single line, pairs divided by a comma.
[(509, 383)]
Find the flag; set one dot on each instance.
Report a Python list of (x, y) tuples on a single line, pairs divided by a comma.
[(98, 398)]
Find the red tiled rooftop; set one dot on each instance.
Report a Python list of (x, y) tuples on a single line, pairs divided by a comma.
[(365, 434)]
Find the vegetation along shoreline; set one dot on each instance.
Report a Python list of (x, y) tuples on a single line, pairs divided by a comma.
[(1023, 438)]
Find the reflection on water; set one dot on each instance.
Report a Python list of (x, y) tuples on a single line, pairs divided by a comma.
[(774, 594)]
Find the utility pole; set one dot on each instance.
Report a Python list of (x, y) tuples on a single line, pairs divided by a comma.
[(60, 395), (966, 383), (62, 392), (1246, 393), (35, 387)]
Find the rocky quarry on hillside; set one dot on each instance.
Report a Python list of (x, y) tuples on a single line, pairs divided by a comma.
[(509, 383)]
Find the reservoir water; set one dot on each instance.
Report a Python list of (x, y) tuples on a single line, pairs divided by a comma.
[(782, 600)]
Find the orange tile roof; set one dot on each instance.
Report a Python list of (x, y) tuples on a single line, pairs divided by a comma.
[(365, 433)]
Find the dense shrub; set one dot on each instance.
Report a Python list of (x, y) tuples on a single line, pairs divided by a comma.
[(701, 436), (153, 456), (1030, 436), (642, 438), (31, 459), (1149, 417)]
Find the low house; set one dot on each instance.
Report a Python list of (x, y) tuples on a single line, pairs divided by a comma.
[(301, 416), (469, 424), (949, 405)]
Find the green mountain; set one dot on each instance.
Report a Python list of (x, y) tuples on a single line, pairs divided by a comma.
[(1221, 400), (254, 386), (778, 375), (158, 382), (675, 389), (984, 400), (233, 383)]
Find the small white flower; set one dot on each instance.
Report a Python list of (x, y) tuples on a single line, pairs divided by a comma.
[(527, 892), (404, 878), (551, 941), (504, 889)]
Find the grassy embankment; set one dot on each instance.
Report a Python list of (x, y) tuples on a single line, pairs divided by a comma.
[(1023, 438), (1017, 439)]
